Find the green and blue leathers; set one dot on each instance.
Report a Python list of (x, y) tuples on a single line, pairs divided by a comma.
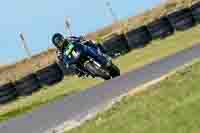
[(83, 49)]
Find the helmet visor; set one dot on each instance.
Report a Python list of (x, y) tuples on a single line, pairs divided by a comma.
[(59, 41)]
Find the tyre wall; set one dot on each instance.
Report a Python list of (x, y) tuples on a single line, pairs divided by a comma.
[(7, 93), (160, 28), (116, 45), (181, 20), (139, 37)]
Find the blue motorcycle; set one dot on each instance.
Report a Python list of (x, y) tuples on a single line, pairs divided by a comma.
[(93, 62)]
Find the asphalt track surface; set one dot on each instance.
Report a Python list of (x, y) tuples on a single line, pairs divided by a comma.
[(78, 105)]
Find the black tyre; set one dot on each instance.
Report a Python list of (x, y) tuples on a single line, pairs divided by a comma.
[(139, 37), (114, 71), (196, 12), (182, 19), (116, 45), (27, 85), (66, 72), (97, 72), (50, 75), (7, 93), (160, 28)]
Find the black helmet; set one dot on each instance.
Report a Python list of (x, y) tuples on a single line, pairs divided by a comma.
[(57, 40)]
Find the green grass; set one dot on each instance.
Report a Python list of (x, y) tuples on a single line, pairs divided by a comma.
[(171, 106), (135, 59)]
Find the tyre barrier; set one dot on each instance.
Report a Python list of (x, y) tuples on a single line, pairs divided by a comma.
[(50, 75), (196, 12), (116, 45), (27, 85), (182, 19), (138, 37), (7, 93), (160, 28), (66, 72)]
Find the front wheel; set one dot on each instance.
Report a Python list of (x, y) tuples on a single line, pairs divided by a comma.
[(114, 71), (97, 72)]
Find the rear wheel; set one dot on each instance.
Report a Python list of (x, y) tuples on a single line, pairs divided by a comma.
[(96, 71)]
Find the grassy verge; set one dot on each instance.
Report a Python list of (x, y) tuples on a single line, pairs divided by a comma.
[(169, 106), (135, 59)]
